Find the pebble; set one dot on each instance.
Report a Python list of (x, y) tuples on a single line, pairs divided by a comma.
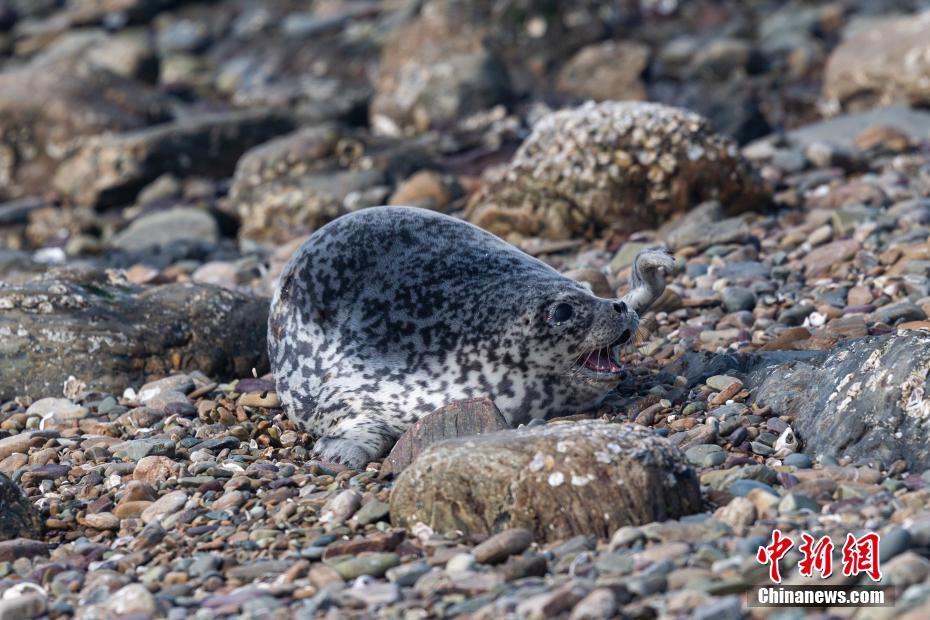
[(499, 547)]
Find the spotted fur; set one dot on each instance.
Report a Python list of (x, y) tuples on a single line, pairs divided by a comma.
[(388, 313)]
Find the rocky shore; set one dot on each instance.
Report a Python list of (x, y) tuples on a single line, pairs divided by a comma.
[(160, 161)]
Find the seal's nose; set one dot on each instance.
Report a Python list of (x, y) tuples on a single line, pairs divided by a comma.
[(620, 307)]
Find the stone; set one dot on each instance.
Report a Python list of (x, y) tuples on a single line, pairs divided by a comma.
[(606, 71), (653, 161), (18, 516), (881, 63), (25, 605), (160, 228), (374, 564), (292, 185), (502, 545), (427, 189), (341, 507), (435, 53), (154, 470), (130, 600), (865, 399), (705, 455), (533, 478), (60, 96), (704, 226), (112, 168), (458, 419), (11, 550), (164, 506), (739, 514), (820, 261), (115, 335), (738, 298), (137, 449), (599, 603)]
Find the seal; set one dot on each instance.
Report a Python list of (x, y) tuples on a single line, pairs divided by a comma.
[(388, 313)]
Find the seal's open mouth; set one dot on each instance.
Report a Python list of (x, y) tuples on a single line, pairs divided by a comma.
[(604, 363)]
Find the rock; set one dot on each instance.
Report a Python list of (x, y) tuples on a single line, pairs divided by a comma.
[(739, 514), (294, 184), (436, 54), (111, 169), (501, 546), (458, 419), (18, 517), (819, 261), (427, 189), (155, 469), (374, 564), (164, 506), (59, 96), (131, 600), (737, 298), (114, 335), (705, 455), (137, 449), (899, 312), (865, 399), (165, 227), (25, 605), (704, 226), (11, 550), (881, 63), (341, 507), (653, 161), (534, 478), (600, 603), (606, 71)]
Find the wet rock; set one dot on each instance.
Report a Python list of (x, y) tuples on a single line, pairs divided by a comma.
[(436, 54), (652, 161), (865, 399), (114, 334), (57, 97), (111, 169), (18, 517), (606, 71), (533, 478), (881, 63), (704, 226), (458, 419)]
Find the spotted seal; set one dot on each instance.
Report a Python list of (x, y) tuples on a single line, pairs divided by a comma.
[(388, 313)]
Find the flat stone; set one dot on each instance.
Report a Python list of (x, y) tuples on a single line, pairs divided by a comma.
[(164, 506), (499, 547), (374, 564), (530, 478)]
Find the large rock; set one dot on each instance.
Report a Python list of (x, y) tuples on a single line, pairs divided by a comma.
[(867, 399), (885, 61), (111, 169), (614, 165), (296, 183), (434, 71), (110, 334), (58, 97), (18, 517), (557, 481)]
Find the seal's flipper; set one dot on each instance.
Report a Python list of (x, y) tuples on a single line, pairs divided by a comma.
[(355, 441), (647, 281)]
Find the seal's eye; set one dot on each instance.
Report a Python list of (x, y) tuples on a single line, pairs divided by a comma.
[(562, 313)]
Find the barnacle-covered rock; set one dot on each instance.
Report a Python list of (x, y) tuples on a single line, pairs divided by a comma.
[(614, 165), (557, 481)]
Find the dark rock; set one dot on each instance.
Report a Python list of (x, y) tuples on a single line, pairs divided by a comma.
[(458, 419), (556, 481), (115, 335), (16, 548), (18, 517), (111, 169), (865, 399)]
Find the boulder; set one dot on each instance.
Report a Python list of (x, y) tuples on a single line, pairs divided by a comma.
[(294, 184), (111, 334), (111, 169), (611, 70), (459, 419), (882, 61), (56, 98), (556, 481), (434, 71), (625, 166), (18, 517)]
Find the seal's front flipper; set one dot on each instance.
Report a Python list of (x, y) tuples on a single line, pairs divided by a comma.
[(355, 442), (648, 279)]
